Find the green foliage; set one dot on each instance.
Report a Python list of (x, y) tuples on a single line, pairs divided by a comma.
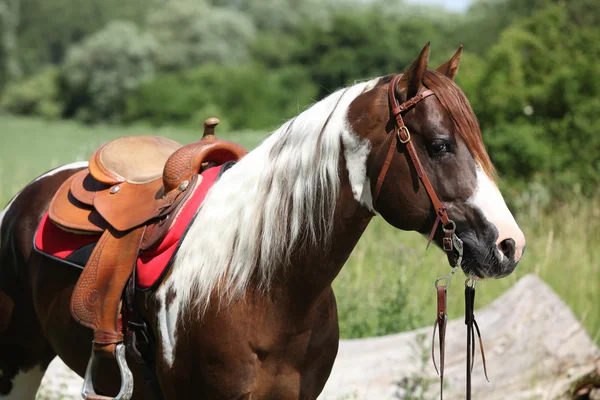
[(388, 312), (488, 18), (537, 100), (362, 42), (38, 95), (191, 32), (47, 28), (246, 97), (10, 66), (417, 385), (283, 15), (276, 49), (519, 149), (103, 69)]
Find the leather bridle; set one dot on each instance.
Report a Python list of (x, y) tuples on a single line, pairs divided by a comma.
[(402, 136), (450, 241)]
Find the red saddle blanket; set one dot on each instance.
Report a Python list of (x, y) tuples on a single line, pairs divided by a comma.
[(52, 241)]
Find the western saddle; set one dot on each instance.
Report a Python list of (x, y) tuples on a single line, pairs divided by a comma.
[(130, 195)]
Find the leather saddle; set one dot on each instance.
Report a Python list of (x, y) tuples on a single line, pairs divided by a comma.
[(130, 195)]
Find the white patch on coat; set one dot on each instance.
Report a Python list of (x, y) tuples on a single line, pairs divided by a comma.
[(356, 153), (25, 385), (489, 200), (167, 321)]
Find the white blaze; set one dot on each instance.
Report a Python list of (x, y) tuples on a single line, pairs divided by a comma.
[(489, 200)]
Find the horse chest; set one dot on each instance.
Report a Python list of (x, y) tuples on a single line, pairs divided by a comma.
[(241, 354)]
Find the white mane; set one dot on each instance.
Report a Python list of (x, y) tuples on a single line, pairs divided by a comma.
[(280, 196)]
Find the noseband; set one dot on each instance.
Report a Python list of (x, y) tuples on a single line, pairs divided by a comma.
[(450, 241)]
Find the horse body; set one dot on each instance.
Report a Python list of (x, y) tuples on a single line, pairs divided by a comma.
[(282, 345), (24, 347), (247, 309)]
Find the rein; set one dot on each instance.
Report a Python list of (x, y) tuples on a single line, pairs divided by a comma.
[(450, 240)]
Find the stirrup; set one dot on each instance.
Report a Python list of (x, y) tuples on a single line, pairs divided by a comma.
[(126, 390)]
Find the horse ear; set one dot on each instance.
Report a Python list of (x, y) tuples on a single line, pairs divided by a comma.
[(412, 79), (450, 67)]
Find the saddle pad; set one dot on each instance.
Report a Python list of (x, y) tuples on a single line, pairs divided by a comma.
[(56, 243)]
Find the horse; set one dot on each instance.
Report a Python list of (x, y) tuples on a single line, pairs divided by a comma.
[(247, 309)]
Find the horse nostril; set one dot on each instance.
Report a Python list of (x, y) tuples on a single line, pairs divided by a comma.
[(508, 248)]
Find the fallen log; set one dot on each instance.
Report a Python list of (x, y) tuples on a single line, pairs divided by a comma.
[(534, 346), (535, 349)]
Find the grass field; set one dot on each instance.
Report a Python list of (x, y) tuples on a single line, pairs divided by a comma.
[(387, 285)]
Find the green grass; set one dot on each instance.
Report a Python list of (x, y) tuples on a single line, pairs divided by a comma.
[(30, 147), (387, 285)]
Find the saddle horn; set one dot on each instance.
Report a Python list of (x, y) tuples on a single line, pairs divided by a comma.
[(209, 128)]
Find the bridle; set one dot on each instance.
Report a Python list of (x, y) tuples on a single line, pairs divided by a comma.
[(450, 241), (402, 136)]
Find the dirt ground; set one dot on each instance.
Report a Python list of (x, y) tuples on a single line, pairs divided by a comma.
[(60, 383)]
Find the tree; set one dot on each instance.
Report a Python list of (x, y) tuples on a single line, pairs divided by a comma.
[(47, 28), (99, 72), (37, 95), (364, 42), (284, 16), (486, 19), (190, 33), (245, 97), (537, 98), (10, 68)]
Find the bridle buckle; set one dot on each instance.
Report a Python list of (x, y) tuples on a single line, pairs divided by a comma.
[(448, 240), (447, 244), (405, 129)]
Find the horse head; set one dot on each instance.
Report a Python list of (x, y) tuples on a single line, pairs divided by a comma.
[(447, 138)]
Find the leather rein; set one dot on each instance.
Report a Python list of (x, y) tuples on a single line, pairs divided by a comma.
[(450, 241)]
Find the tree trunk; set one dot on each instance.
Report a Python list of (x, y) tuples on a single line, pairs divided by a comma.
[(534, 346)]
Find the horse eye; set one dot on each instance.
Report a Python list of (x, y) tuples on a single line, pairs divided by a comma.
[(439, 147)]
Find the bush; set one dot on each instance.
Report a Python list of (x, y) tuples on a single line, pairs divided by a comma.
[(100, 72), (37, 96), (249, 97), (190, 33), (537, 101), (363, 42)]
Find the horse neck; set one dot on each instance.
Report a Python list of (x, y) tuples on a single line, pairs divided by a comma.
[(314, 269)]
